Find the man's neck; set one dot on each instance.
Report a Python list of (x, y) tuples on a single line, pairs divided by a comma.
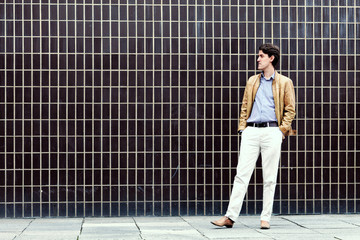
[(268, 72)]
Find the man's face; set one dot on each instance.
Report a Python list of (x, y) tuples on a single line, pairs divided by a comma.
[(264, 61)]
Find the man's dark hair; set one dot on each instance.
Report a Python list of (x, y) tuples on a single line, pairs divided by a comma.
[(271, 50)]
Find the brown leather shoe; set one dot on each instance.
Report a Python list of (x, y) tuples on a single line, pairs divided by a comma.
[(224, 221), (264, 225)]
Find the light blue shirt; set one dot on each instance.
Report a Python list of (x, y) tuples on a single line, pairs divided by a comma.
[(263, 109)]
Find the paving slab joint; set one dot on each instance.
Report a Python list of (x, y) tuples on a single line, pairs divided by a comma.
[(354, 224), (202, 234), (294, 222), (313, 230), (81, 228), (140, 233), (32, 220)]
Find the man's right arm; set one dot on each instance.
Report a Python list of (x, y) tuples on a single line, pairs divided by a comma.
[(243, 111)]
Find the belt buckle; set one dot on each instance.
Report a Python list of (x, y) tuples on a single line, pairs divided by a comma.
[(261, 125)]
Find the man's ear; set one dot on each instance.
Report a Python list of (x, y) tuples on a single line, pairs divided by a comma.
[(272, 58)]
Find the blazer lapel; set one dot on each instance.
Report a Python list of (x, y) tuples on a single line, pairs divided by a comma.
[(275, 90), (256, 87)]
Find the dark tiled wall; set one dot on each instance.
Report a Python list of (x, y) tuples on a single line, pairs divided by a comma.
[(114, 108)]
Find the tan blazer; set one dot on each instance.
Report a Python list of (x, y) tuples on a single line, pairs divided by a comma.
[(284, 98)]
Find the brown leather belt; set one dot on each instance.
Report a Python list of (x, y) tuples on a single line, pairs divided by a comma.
[(263, 124)]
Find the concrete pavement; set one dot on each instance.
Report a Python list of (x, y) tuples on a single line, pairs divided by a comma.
[(344, 227)]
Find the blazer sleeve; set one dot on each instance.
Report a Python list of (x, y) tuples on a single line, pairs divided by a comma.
[(244, 113)]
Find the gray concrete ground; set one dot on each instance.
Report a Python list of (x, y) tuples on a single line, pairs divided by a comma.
[(190, 227)]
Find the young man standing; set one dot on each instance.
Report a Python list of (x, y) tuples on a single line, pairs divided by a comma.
[(267, 110)]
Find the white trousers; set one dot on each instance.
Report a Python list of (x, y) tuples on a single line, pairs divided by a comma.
[(254, 140)]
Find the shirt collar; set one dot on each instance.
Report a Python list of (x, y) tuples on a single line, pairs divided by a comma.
[(271, 78)]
